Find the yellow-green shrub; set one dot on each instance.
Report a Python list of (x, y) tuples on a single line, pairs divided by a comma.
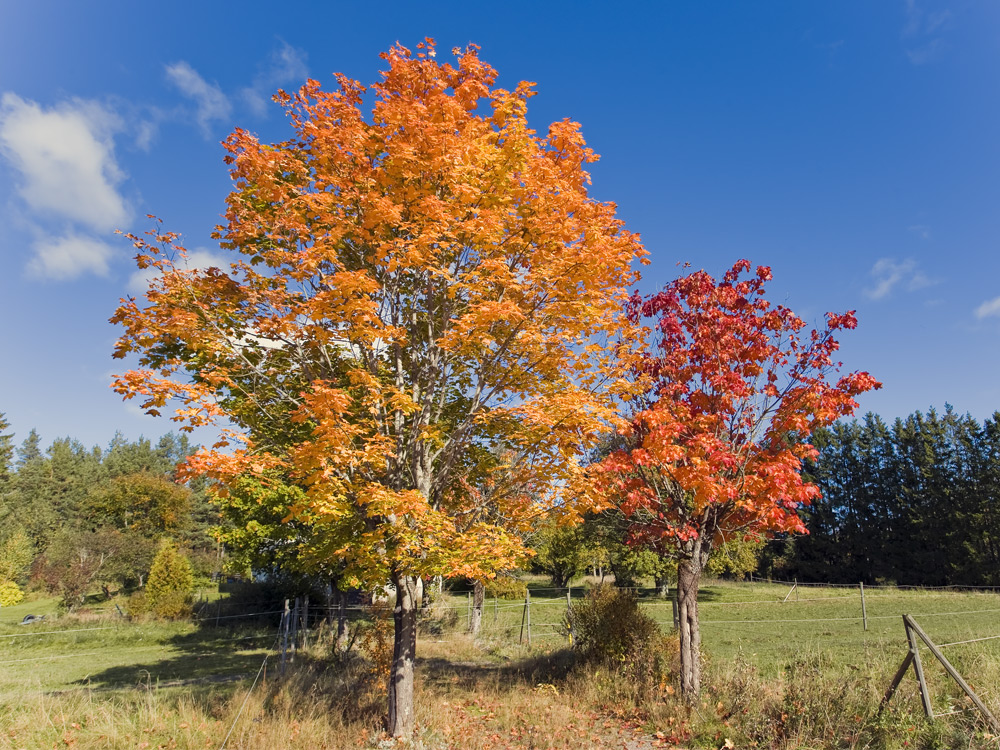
[(10, 594)]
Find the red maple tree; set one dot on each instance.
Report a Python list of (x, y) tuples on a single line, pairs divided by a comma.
[(731, 389)]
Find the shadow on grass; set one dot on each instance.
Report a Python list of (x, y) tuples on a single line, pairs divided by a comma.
[(515, 675), (208, 655)]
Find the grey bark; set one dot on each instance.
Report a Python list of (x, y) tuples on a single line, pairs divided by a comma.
[(401, 708), (689, 569)]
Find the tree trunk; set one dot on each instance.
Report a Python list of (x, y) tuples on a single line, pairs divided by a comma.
[(688, 575), (401, 713), (663, 587), (478, 596)]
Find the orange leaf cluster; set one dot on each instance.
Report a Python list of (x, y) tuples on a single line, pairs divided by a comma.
[(410, 290)]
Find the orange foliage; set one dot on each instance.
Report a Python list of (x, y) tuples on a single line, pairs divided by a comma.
[(408, 289)]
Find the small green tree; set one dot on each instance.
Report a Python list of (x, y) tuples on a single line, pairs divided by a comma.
[(16, 554), (736, 556), (170, 582)]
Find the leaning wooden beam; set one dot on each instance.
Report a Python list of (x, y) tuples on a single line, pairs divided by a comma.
[(900, 673), (918, 668), (911, 625)]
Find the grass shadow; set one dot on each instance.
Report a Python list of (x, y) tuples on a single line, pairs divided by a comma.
[(207, 655), (512, 676)]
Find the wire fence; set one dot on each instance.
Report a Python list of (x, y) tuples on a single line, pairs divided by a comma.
[(447, 619)]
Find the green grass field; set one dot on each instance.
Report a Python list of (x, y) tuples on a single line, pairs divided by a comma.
[(101, 650)]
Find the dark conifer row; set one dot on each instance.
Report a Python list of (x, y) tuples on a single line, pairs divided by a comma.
[(916, 502)]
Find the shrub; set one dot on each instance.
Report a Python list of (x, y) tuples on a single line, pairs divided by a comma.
[(610, 629), (170, 582), (506, 587), (10, 594)]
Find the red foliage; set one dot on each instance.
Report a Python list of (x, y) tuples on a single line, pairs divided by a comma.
[(731, 389)]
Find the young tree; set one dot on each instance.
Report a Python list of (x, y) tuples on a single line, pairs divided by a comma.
[(411, 285), (16, 554), (170, 582), (732, 390)]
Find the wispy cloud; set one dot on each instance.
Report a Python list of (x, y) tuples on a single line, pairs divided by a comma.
[(989, 309), (890, 274), (62, 258), (921, 230), (922, 32), (66, 159), (68, 176), (210, 103), (286, 65)]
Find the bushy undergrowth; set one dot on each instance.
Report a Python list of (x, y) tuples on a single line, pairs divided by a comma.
[(817, 704), (611, 630)]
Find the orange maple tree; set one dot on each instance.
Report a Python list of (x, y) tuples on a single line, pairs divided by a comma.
[(409, 288), (731, 389)]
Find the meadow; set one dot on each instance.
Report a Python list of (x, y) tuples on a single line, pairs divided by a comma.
[(788, 668)]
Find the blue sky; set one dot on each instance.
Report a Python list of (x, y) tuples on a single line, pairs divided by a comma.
[(852, 146)]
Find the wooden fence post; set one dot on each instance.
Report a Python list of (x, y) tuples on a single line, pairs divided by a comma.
[(794, 588), (864, 609), (284, 636), (527, 604), (295, 629), (677, 614), (494, 610), (912, 627), (305, 622), (468, 608), (569, 616), (524, 617)]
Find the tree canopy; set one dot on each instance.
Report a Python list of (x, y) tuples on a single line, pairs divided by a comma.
[(731, 388)]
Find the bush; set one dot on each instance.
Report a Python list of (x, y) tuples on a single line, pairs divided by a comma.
[(10, 594), (170, 582), (506, 587), (610, 629)]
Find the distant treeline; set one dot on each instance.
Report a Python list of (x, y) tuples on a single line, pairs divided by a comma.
[(74, 518), (916, 502)]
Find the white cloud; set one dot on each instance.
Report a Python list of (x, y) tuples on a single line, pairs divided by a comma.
[(284, 66), (67, 257), (989, 309), (921, 230), (212, 104), (66, 159), (200, 258), (890, 273)]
